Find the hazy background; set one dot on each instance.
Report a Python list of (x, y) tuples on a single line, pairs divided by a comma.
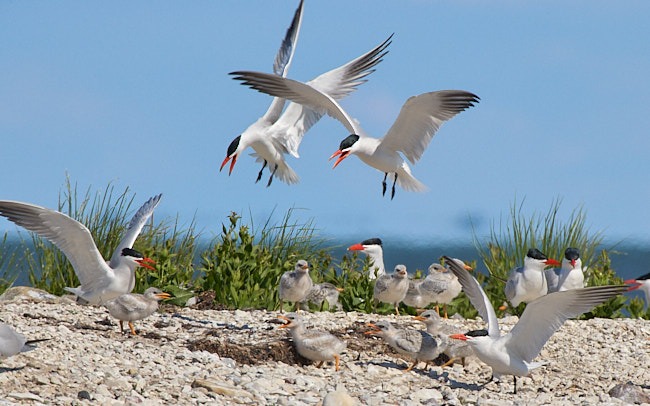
[(137, 94)]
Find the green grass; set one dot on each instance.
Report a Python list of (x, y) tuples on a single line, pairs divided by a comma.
[(244, 262), (8, 269)]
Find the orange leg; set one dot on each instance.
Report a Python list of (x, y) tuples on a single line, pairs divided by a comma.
[(337, 361), (132, 327), (411, 367)]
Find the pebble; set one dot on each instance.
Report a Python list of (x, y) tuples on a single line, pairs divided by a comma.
[(597, 361)]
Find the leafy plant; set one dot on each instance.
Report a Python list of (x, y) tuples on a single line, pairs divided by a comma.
[(509, 242), (243, 266)]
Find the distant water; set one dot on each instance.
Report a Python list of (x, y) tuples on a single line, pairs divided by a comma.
[(629, 260)]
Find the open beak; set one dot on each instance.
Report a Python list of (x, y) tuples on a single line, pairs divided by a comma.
[(420, 318), (146, 263), (285, 325), (355, 247), (163, 295), (462, 337), (633, 284), (372, 332), (573, 263), (340, 289), (552, 262), (232, 163), (343, 155)]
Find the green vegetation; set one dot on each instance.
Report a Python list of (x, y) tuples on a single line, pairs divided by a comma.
[(509, 243), (7, 270), (243, 263)]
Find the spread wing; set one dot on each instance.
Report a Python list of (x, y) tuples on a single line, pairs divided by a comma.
[(135, 227), (546, 314), (67, 234), (476, 295), (421, 116)]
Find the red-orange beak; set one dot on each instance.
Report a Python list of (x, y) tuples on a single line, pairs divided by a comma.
[(462, 337), (573, 263), (356, 247), (232, 164), (145, 263), (372, 332), (552, 262), (633, 284), (343, 155), (285, 325)]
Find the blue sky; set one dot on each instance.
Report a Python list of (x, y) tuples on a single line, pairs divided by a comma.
[(137, 94)]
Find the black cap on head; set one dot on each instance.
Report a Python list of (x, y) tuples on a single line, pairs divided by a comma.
[(536, 254), (233, 145), (348, 141), (131, 253), (571, 254), (371, 241), (477, 333)]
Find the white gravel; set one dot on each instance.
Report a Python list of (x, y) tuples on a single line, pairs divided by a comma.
[(88, 361)]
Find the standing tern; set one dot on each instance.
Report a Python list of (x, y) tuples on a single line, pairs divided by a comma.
[(416, 344), (392, 288), (513, 353), (295, 285), (315, 345), (12, 342), (100, 280), (372, 247), (527, 283), (643, 283), (569, 276), (131, 307), (255, 135), (419, 119), (325, 292), (441, 285), (273, 138), (453, 349)]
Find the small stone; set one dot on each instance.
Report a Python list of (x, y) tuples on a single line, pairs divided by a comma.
[(84, 394)]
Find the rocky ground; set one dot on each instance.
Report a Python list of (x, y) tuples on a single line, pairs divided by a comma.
[(195, 356)]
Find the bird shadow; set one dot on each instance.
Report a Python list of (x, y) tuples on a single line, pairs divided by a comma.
[(454, 384), (14, 369)]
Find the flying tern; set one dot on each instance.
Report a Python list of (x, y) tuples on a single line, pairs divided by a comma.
[(513, 353), (255, 135), (131, 307), (527, 283), (419, 119), (275, 135), (100, 280), (372, 247)]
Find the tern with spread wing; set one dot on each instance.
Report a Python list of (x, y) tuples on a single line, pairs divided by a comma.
[(275, 135), (100, 280), (419, 119), (256, 135), (513, 353)]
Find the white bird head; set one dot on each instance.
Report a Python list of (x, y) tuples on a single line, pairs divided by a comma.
[(157, 294), (302, 266), (345, 148), (572, 256), (381, 328), (400, 271), (134, 259), (429, 317), (537, 259), (292, 321)]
